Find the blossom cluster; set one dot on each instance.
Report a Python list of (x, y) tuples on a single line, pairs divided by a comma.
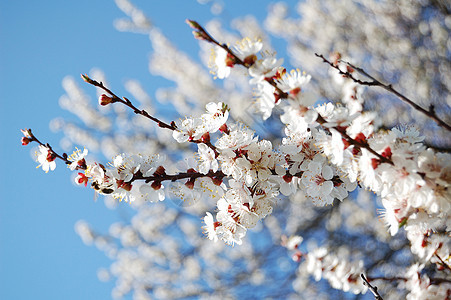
[(327, 151), (320, 263)]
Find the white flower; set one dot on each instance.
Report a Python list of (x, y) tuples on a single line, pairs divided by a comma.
[(188, 129), (188, 196), (208, 159), (46, 159), (293, 81), (239, 204), (238, 137), (264, 68), (209, 188), (246, 49), (210, 227), (335, 116), (265, 99), (317, 182), (260, 159), (148, 193), (216, 116), (126, 166), (219, 63), (293, 242), (77, 157), (150, 164), (299, 113)]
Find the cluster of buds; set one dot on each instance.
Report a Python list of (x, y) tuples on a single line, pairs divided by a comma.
[(27, 138)]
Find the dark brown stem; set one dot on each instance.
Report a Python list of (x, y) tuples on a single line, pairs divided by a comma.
[(373, 289), (184, 175), (63, 157), (387, 278), (352, 141), (128, 103), (388, 87), (142, 112), (207, 37), (442, 263), (435, 281)]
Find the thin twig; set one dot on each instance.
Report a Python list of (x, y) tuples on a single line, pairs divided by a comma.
[(142, 112), (63, 157), (373, 289), (202, 34), (443, 264), (388, 87), (128, 103)]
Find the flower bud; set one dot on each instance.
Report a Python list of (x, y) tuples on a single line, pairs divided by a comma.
[(230, 60), (25, 141), (193, 24), (51, 156), (105, 100), (224, 129), (250, 60), (200, 36), (205, 137), (335, 57), (160, 171), (86, 78), (295, 91), (387, 153), (26, 132), (190, 184), (297, 256)]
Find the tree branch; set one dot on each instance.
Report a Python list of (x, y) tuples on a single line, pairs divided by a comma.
[(374, 82), (373, 289)]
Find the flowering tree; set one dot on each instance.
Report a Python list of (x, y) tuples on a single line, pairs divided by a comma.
[(287, 187)]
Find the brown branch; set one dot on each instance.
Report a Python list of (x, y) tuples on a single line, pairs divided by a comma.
[(442, 263), (193, 175), (202, 34), (32, 138), (128, 103), (434, 281), (354, 142), (388, 87), (142, 112), (373, 289)]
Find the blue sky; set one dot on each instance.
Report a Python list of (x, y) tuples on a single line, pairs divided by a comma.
[(41, 257)]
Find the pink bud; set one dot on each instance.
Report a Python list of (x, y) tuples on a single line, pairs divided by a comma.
[(297, 256), (190, 184), (51, 156), (105, 100), (25, 141)]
